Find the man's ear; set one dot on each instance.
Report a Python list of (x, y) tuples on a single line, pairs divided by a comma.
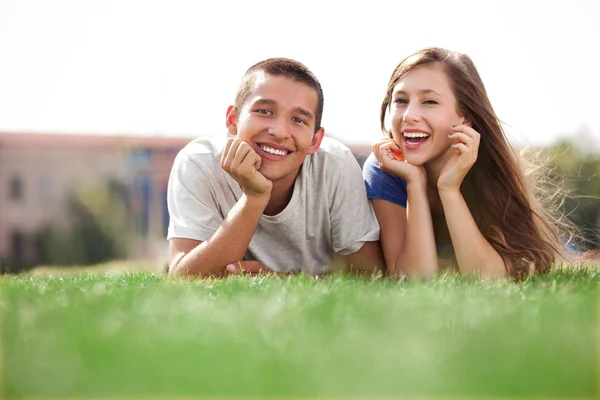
[(316, 141), (231, 120)]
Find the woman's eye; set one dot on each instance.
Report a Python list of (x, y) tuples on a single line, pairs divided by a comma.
[(430, 102), (400, 101)]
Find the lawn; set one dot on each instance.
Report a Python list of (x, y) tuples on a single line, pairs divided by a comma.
[(145, 335)]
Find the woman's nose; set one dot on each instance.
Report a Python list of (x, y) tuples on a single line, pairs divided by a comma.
[(411, 114)]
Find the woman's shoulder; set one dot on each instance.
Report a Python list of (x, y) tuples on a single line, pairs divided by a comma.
[(373, 172), (383, 185)]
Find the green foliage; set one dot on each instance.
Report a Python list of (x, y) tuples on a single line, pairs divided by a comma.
[(577, 169), (99, 228), (143, 335)]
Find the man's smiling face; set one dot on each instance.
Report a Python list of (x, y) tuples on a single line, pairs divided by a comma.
[(278, 121)]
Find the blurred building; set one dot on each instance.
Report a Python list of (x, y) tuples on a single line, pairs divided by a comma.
[(40, 172)]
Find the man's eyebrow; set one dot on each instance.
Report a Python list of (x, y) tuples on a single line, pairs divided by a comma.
[(265, 101), (424, 91), (271, 102), (304, 112)]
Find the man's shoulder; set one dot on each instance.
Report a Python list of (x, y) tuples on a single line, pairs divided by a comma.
[(199, 162), (205, 152), (333, 148), (204, 147), (332, 161)]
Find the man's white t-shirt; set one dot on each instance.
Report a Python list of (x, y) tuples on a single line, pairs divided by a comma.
[(328, 213)]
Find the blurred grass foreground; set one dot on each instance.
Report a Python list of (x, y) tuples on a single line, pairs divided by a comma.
[(144, 335)]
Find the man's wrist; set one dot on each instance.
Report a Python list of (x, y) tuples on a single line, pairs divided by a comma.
[(257, 198), (254, 202)]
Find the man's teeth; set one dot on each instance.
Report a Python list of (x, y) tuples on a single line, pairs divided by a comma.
[(412, 135), (271, 150)]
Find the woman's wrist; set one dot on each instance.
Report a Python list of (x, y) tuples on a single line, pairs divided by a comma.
[(450, 194), (417, 184), (417, 181)]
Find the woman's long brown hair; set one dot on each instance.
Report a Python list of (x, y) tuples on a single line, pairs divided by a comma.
[(512, 208)]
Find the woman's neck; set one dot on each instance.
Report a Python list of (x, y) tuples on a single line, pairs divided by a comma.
[(434, 167)]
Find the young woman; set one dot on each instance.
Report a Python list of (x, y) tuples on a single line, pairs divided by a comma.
[(446, 186)]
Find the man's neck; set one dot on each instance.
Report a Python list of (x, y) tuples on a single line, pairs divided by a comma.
[(281, 194)]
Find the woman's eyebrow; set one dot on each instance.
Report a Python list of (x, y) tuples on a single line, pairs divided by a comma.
[(422, 91)]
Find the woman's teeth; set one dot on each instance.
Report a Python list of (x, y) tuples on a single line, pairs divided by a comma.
[(415, 137)]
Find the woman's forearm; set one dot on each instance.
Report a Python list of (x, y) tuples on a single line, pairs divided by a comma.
[(474, 254), (418, 254)]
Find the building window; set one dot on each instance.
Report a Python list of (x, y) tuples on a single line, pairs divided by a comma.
[(16, 188)]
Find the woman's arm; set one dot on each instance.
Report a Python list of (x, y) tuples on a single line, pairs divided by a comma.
[(407, 235), (474, 254)]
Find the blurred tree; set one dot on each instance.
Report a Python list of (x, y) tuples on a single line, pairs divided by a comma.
[(575, 165), (100, 228)]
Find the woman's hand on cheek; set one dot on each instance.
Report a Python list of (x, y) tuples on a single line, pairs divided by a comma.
[(465, 149), (391, 160)]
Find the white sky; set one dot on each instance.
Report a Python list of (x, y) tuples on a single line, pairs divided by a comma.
[(172, 67)]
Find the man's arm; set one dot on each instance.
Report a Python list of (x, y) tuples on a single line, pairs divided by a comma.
[(353, 219), (188, 257), (230, 241)]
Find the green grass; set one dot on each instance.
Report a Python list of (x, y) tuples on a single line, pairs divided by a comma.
[(144, 335)]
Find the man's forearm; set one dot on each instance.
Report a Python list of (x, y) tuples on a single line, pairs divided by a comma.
[(227, 245)]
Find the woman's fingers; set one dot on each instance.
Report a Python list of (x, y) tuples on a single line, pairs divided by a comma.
[(386, 149), (467, 131), (467, 142), (461, 137), (377, 148), (463, 148)]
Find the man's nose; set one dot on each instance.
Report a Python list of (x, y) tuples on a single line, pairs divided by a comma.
[(279, 128)]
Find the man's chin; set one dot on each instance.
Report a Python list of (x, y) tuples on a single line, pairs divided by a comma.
[(277, 175)]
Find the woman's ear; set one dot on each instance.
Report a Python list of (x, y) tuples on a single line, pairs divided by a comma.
[(231, 120), (466, 121)]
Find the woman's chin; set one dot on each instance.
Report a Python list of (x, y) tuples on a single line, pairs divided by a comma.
[(414, 160)]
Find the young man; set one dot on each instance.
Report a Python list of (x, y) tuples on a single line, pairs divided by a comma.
[(275, 196)]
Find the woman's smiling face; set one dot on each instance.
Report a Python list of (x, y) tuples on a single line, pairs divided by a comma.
[(423, 110)]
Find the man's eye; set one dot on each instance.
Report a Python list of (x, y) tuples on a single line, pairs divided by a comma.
[(299, 120), (263, 111)]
